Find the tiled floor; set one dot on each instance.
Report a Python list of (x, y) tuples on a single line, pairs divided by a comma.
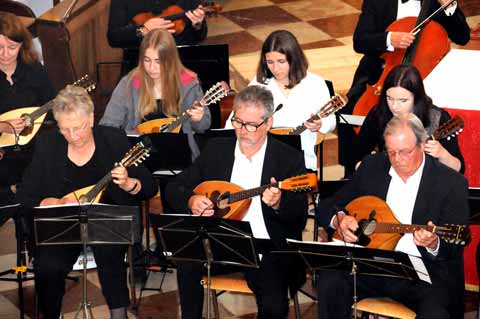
[(324, 29)]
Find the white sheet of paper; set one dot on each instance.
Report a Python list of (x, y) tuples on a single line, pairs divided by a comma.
[(420, 268)]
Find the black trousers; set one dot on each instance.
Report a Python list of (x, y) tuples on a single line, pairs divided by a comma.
[(269, 283), (335, 295), (53, 263)]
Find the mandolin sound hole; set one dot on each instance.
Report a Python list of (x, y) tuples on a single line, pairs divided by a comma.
[(219, 212)]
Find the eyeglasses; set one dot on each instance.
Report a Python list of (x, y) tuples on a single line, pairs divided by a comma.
[(74, 130), (250, 127), (401, 153)]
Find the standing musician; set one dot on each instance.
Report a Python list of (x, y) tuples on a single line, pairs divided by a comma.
[(371, 39), (403, 92), (160, 86), (283, 69), (23, 82), (419, 190), (79, 154), (124, 33), (249, 160)]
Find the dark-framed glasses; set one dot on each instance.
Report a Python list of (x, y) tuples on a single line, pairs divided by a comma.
[(250, 127), (401, 153)]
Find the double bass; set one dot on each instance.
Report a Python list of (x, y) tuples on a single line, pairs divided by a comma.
[(430, 46)]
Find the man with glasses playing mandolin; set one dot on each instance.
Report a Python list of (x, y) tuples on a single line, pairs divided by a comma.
[(419, 190), (249, 160), (80, 154)]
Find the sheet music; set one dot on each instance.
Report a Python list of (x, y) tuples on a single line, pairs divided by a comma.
[(352, 119), (420, 268), (9, 206), (334, 242)]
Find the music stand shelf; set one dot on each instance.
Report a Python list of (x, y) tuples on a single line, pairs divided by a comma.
[(89, 224), (208, 240)]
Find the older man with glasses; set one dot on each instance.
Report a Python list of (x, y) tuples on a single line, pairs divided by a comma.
[(249, 160), (419, 190)]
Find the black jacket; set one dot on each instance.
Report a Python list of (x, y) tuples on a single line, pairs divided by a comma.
[(441, 198)]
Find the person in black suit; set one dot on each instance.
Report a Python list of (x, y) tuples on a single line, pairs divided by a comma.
[(124, 33), (249, 160), (419, 190), (79, 154), (372, 40)]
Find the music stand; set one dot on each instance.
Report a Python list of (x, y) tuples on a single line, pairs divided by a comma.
[(90, 224), (355, 260), (20, 269), (208, 240)]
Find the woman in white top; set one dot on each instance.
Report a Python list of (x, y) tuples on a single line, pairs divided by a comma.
[(283, 70)]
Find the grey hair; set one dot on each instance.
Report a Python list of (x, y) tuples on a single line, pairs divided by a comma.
[(410, 120), (72, 99), (255, 96)]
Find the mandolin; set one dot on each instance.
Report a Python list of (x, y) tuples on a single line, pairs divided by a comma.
[(172, 125), (337, 102), (378, 227), (175, 14), (232, 202), (93, 193), (34, 117), (449, 129)]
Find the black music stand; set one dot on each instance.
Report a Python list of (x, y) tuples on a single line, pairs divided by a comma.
[(20, 269), (355, 260), (208, 240), (90, 224)]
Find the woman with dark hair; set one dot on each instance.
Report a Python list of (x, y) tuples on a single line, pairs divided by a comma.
[(23, 82), (403, 92), (283, 69), (160, 86)]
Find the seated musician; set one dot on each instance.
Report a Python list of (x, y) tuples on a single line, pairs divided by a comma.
[(79, 154), (23, 82), (160, 86), (419, 190), (372, 39), (249, 160), (124, 33), (283, 69), (403, 92)]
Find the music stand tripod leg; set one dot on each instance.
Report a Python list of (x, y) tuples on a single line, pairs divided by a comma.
[(85, 306)]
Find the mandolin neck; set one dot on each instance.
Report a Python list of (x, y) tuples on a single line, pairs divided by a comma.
[(40, 111), (92, 194), (401, 228), (301, 128), (238, 196)]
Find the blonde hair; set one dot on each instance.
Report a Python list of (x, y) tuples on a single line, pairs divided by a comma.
[(171, 69), (72, 99), (12, 27)]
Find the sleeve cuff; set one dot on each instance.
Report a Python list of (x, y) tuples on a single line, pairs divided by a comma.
[(434, 252), (389, 43)]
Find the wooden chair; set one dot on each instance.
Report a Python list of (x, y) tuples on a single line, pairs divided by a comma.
[(384, 307), (234, 283)]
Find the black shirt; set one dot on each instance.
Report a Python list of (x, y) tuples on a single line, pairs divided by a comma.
[(31, 87)]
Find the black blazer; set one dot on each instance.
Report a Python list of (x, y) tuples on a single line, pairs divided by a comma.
[(45, 176), (216, 163), (441, 198), (370, 36)]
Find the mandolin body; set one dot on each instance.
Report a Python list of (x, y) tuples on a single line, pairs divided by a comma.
[(80, 193), (7, 139), (361, 209), (157, 126), (213, 190)]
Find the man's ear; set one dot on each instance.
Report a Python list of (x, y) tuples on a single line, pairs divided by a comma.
[(269, 122)]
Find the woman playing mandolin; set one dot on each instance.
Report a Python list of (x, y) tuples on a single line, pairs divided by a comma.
[(80, 154), (23, 82), (159, 87), (283, 71), (403, 92)]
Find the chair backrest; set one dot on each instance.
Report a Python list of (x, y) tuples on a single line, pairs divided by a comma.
[(16, 8)]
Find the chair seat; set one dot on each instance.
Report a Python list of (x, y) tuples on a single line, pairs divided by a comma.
[(231, 282), (385, 307)]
